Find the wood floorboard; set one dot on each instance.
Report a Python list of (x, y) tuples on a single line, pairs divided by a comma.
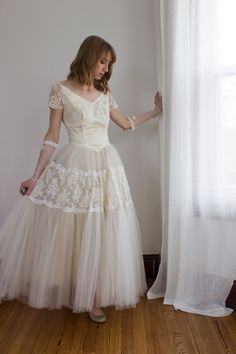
[(206, 335), (150, 328)]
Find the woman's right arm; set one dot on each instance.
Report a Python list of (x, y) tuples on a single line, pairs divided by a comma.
[(50, 142), (126, 122)]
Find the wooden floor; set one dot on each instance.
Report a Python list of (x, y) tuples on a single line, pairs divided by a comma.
[(149, 328)]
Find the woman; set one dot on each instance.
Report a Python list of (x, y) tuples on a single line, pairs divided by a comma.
[(74, 239)]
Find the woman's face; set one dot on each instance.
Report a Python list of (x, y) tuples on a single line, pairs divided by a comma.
[(102, 66)]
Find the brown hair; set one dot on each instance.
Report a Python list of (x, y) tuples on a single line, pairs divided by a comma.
[(90, 52)]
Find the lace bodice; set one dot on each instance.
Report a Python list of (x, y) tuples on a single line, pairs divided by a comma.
[(78, 179), (86, 121)]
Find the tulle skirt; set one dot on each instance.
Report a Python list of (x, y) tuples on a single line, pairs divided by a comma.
[(76, 238)]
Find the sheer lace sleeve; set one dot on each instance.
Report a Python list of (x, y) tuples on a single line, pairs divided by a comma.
[(112, 103), (56, 97)]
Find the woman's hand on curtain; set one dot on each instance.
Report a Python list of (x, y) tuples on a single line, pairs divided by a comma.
[(158, 103)]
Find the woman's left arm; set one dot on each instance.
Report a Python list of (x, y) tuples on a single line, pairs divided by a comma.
[(126, 122)]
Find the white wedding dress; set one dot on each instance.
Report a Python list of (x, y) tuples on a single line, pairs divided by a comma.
[(77, 235)]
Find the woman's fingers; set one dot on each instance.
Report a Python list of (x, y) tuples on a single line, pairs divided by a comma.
[(158, 98), (27, 187), (158, 101)]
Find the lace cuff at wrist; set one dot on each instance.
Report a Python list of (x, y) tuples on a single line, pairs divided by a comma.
[(131, 120), (49, 142)]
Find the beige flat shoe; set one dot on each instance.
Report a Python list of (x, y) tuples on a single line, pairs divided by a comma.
[(97, 318)]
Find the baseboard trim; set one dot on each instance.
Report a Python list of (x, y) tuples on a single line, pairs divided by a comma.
[(152, 263), (231, 299)]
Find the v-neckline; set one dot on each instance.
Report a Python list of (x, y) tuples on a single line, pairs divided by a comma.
[(85, 99)]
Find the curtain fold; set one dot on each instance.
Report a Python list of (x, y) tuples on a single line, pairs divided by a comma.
[(198, 260)]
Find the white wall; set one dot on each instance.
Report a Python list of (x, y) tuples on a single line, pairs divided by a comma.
[(38, 40)]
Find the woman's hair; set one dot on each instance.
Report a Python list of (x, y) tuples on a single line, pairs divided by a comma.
[(90, 52)]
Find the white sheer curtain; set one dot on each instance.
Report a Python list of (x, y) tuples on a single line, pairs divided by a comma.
[(198, 260)]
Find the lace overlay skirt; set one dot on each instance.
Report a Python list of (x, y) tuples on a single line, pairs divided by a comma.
[(76, 237)]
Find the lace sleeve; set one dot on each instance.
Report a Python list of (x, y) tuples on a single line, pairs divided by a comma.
[(56, 97), (112, 103)]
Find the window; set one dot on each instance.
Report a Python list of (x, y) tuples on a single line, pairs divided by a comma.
[(226, 161), (214, 154)]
